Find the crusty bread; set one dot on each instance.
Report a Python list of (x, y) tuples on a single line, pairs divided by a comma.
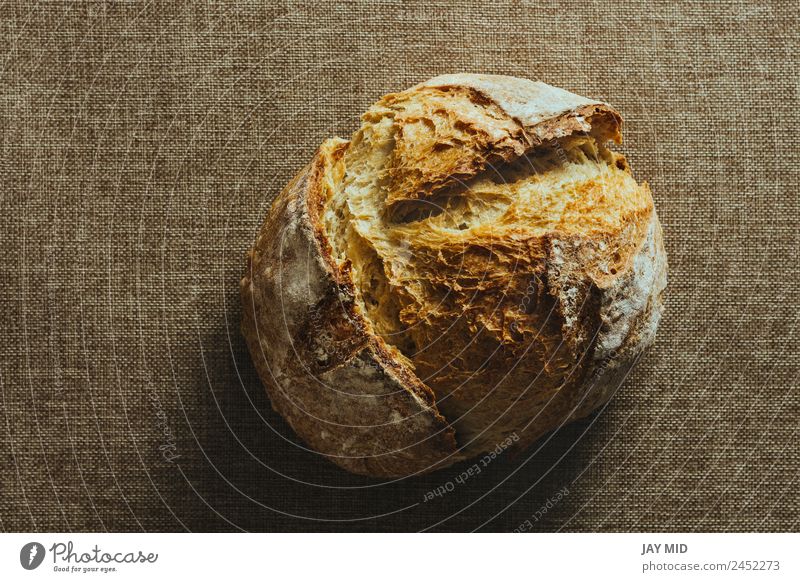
[(473, 265)]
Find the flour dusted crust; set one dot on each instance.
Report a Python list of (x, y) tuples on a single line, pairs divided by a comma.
[(337, 386), (474, 264)]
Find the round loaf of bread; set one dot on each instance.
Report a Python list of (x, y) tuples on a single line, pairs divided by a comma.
[(472, 269)]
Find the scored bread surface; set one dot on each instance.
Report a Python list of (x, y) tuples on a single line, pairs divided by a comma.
[(474, 264)]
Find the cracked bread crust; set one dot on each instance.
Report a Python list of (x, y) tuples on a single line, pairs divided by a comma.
[(337, 386), (395, 341)]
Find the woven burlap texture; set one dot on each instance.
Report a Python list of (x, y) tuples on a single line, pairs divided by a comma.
[(142, 143)]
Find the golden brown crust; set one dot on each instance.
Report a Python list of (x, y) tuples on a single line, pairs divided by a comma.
[(384, 334), (545, 112), (452, 127), (338, 387)]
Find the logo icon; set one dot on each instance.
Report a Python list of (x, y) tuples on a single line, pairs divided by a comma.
[(31, 555)]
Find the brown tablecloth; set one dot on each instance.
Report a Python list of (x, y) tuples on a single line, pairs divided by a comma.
[(141, 145)]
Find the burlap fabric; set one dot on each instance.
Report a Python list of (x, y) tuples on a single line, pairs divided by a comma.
[(141, 145)]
